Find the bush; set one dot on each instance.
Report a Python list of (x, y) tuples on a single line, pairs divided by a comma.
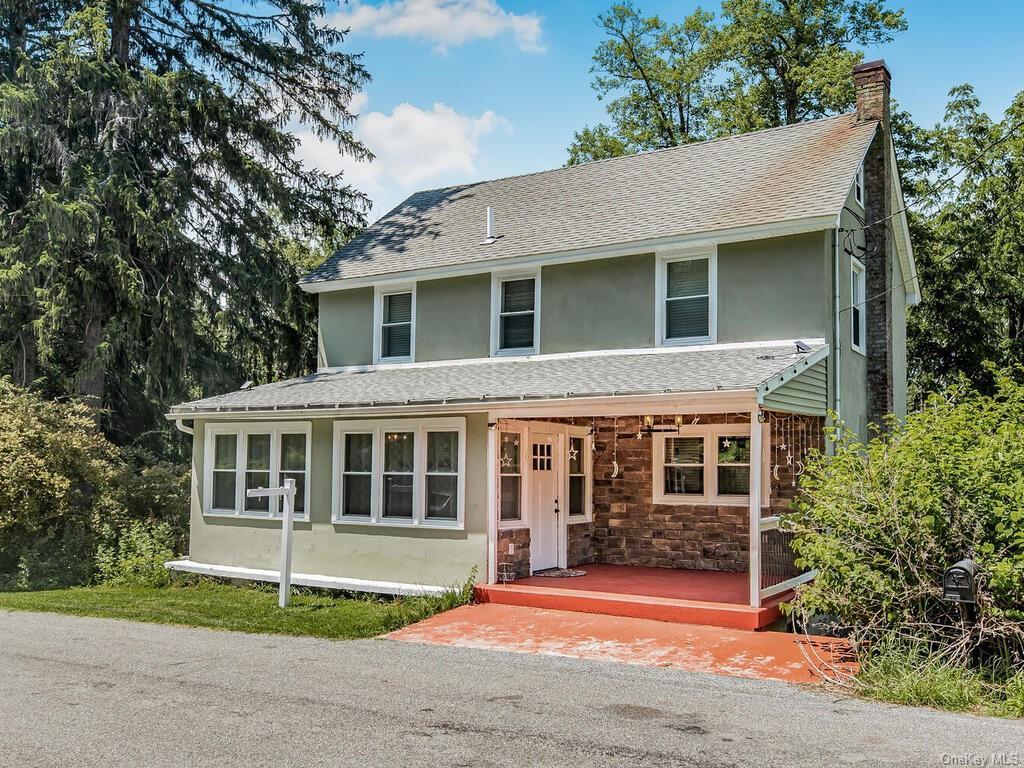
[(135, 557), (880, 523), (64, 487)]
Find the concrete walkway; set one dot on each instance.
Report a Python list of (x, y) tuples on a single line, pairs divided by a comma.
[(761, 655), (88, 693)]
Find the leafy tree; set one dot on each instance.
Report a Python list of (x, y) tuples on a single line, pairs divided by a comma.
[(768, 63), (969, 246), (151, 199)]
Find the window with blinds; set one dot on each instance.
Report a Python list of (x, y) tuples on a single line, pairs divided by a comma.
[(687, 299), (517, 314), (396, 325)]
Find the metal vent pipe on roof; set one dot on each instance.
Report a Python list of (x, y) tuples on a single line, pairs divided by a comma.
[(490, 224)]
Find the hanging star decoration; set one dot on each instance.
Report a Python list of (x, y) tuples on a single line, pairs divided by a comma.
[(573, 454), (506, 461)]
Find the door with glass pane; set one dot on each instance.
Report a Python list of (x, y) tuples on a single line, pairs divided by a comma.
[(545, 512)]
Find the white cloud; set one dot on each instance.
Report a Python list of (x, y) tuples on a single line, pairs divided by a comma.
[(443, 22), (414, 149)]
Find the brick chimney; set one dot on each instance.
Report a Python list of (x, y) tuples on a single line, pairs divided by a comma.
[(871, 85)]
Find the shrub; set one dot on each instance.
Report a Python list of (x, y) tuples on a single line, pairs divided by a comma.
[(880, 522), (64, 488), (135, 557), (57, 475)]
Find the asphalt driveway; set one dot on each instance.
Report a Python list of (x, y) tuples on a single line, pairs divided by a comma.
[(97, 692)]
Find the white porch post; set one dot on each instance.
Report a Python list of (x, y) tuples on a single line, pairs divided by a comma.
[(492, 507), (756, 470)]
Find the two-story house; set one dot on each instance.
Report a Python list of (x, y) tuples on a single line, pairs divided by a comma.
[(615, 368)]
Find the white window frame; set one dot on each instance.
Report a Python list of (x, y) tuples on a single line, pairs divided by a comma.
[(419, 490), (858, 186), (588, 474), (242, 431), (521, 521), (858, 277), (661, 294), (378, 323), (710, 433), (497, 278)]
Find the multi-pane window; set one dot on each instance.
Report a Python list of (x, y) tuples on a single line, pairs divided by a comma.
[(709, 464), (577, 476), (858, 326), (517, 314), (396, 325), (442, 475), (244, 457), (257, 471), (357, 474), (684, 466), (399, 472), (224, 472), (511, 472), (733, 465), (687, 299), (292, 462)]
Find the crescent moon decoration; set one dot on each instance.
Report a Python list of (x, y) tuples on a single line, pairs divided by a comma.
[(615, 468), (775, 472), (615, 447)]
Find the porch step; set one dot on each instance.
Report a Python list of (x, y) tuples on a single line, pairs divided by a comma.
[(727, 615)]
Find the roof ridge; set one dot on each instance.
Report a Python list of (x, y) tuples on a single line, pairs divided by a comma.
[(619, 158)]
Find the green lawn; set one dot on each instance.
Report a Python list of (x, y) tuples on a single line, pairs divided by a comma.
[(243, 609)]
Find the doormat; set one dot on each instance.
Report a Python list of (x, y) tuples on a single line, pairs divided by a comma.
[(561, 573)]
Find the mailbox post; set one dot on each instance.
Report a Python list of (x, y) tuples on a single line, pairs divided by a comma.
[(960, 585), (287, 495)]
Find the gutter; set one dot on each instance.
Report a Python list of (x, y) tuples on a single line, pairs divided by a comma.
[(837, 346)]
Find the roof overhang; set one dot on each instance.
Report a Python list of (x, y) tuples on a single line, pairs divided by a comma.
[(695, 240)]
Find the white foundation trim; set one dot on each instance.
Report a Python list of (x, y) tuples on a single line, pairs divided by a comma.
[(305, 579)]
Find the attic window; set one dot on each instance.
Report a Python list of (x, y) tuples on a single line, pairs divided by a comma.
[(858, 185)]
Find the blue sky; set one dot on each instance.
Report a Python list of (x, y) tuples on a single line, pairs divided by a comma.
[(465, 90)]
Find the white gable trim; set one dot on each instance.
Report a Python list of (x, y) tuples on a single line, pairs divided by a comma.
[(697, 240), (901, 228)]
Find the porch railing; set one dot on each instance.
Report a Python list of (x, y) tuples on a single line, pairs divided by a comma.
[(779, 570)]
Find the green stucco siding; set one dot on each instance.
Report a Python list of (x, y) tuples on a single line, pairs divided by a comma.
[(427, 556), (601, 304), (773, 289), (853, 387), (453, 318), (346, 327), (899, 341)]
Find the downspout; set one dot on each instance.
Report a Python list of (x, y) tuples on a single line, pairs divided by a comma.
[(837, 347), (180, 424)]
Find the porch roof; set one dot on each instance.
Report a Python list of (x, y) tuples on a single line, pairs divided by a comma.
[(465, 384)]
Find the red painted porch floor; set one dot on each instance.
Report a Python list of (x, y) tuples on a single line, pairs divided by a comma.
[(762, 655), (714, 598)]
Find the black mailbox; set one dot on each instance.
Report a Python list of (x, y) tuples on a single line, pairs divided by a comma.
[(959, 583)]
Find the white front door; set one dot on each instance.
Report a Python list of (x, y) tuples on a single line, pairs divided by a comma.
[(544, 502)]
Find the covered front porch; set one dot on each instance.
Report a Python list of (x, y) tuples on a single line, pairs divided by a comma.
[(669, 513)]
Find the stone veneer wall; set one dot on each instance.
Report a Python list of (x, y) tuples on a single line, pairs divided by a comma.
[(630, 529), (519, 538)]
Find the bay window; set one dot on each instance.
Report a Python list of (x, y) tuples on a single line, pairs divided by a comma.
[(243, 457), (404, 472)]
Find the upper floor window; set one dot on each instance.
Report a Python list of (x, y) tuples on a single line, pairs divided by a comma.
[(515, 327), (858, 186), (243, 457), (686, 299), (858, 310), (395, 326)]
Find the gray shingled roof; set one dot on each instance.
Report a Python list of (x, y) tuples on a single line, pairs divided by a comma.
[(508, 379), (766, 177)]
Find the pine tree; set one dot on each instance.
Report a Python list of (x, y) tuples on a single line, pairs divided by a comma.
[(152, 203)]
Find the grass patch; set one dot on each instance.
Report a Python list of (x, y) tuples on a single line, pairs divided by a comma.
[(249, 608), (902, 673)]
